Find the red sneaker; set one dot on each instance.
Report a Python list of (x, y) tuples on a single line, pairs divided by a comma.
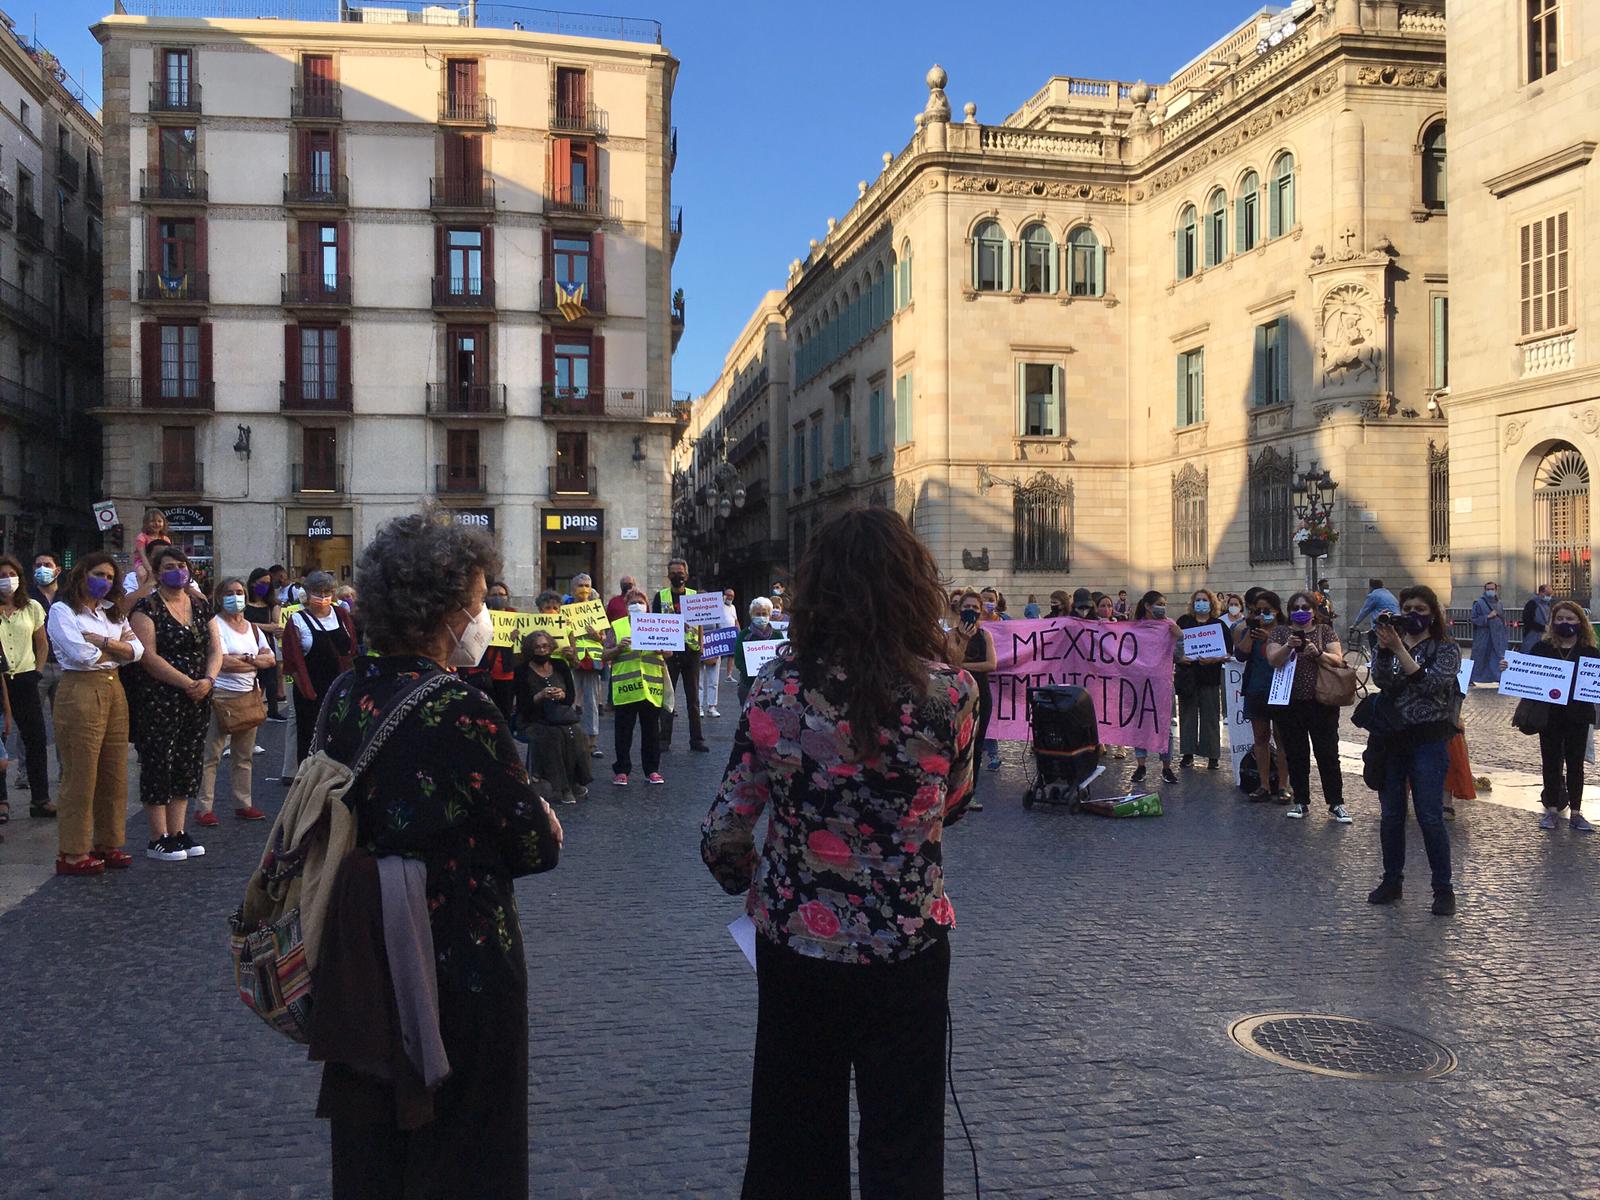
[(114, 860), (654, 777), (84, 866), (206, 818), (249, 813)]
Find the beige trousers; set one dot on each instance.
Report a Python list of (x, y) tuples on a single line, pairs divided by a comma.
[(91, 718), (240, 762)]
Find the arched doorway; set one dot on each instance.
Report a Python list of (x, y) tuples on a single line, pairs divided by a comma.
[(1561, 545)]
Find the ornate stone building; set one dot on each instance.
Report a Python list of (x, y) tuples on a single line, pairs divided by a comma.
[(1098, 341), (1524, 398)]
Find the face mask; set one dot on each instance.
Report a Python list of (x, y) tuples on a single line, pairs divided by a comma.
[(581, 594), (97, 586), (1301, 616), (1416, 622), (988, 606), (497, 603), (8, 584), (233, 604), (1491, 593), (1202, 607), (261, 589), (175, 577), (541, 659), (44, 576), (1267, 618), (1085, 613), (322, 605), (1158, 610), (677, 579), (759, 622), (1566, 630), (1233, 610), (969, 617), (635, 609), (473, 640)]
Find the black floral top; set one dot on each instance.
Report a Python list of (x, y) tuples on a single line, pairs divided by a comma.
[(450, 789), (852, 869)]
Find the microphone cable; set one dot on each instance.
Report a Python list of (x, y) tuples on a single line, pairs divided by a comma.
[(950, 1078)]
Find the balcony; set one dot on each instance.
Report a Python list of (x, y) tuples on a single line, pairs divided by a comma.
[(191, 287), (574, 481), (465, 399), (621, 403), (677, 319), (321, 396), (177, 478), (161, 394), (315, 290), (461, 195), (322, 478), (8, 209), (577, 118), (30, 226), (24, 403), (174, 186), (677, 228), (24, 309), (453, 480), (69, 247), (593, 299), (588, 202), (94, 193), (170, 96), (68, 168), (672, 154), (1547, 355), (475, 110), (316, 191), (746, 446), (457, 292), (325, 103)]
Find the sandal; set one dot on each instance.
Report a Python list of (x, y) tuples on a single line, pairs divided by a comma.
[(42, 810), (1259, 795)]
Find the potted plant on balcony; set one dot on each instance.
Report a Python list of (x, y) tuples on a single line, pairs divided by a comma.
[(1316, 536)]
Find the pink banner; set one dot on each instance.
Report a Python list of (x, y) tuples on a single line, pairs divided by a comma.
[(1125, 667)]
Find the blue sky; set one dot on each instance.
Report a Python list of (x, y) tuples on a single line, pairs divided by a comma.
[(781, 107)]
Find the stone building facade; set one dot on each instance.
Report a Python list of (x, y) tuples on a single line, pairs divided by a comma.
[(357, 263), (1524, 398), (1098, 341), (50, 267)]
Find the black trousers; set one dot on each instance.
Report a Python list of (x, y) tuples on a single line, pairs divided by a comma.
[(305, 720), (815, 1021), (685, 665), (269, 678), (643, 714), (27, 709), (1561, 750), (1305, 728)]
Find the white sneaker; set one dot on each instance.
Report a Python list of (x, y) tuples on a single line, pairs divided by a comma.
[(715, 713), (165, 850), (1295, 811), (261, 749), (1340, 814)]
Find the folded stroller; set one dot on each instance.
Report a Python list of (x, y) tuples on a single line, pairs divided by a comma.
[(1065, 734)]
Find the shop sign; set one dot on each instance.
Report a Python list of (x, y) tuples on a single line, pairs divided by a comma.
[(474, 518), (319, 527), (584, 522)]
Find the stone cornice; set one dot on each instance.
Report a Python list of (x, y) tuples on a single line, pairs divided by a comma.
[(1575, 155)]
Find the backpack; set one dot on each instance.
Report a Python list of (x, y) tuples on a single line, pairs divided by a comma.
[(276, 934)]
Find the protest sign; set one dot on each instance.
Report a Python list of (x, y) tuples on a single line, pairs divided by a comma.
[(658, 631), (1587, 685), (718, 642), (1204, 641), (1241, 738), (759, 653), (583, 615), (1464, 677), (1282, 682), (511, 627), (1531, 678), (1126, 668), (702, 609)]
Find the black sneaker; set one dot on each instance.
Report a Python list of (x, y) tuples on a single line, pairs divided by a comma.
[(1211, 764), (277, 718), (164, 850), (1138, 774), (1444, 902), (1167, 774), (1386, 892), (1186, 761), (700, 747), (191, 847)]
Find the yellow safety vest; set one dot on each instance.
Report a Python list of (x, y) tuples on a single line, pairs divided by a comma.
[(637, 675), (691, 633)]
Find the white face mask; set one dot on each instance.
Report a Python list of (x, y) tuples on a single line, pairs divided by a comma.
[(473, 640), (636, 609), (8, 584), (1234, 610)]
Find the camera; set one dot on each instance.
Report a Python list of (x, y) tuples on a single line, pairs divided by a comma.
[(1252, 622), (1388, 618)]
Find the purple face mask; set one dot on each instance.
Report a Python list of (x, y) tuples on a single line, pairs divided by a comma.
[(97, 586), (175, 577), (1301, 616)]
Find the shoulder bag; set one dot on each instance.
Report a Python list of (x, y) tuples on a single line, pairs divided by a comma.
[(1336, 686), (238, 712)]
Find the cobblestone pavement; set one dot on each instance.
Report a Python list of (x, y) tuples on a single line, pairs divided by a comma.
[(1097, 968)]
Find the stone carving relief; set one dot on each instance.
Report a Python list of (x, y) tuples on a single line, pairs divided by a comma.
[(1393, 75), (1588, 420), (1348, 327), (1514, 432), (995, 185), (975, 562)]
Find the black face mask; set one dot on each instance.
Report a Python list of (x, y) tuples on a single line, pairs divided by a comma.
[(541, 659), (1416, 622), (968, 617), (678, 580), (497, 603)]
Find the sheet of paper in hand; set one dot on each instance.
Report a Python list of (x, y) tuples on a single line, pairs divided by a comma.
[(702, 609), (658, 631), (1282, 683), (1204, 641), (759, 654), (1531, 678)]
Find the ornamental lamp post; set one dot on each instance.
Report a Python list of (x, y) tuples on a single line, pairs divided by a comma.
[(1314, 494)]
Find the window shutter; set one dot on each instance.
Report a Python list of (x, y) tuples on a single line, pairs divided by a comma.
[(1200, 386), (547, 352), (291, 362), (1560, 281), (333, 162), (597, 365), (200, 244), (561, 166), (488, 257), (205, 356), (1177, 255), (1275, 207), (150, 360), (1283, 363), (302, 155), (548, 249), (440, 252), (1182, 388), (1009, 261), (1288, 201), (1058, 385), (973, 245), (1097, 286), (1260, 371), (1526, 286), (1240, 220), (342, 245), (152, 254), (346, 372), (1022, 398)]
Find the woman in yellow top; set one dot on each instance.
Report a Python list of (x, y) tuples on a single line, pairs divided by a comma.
[(26, 647)]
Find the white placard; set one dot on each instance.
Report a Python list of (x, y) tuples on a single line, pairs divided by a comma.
[(702, 609), (105, 515), (629, 533), (744, 936), (1204, 641), (1531, 678), (1282, 682), (1587, 684), (657, 631), (1241, 738), (1464, 677), (758, 654)]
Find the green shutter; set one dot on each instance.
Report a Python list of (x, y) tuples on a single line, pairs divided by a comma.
[(1275, 208), (1058, 382), (1177, 257), (1261, 366), (1239, 222), (1022, 398), (1441, 341), (1097, 286), (1200, 386), (1283, 363), (1182, 389)]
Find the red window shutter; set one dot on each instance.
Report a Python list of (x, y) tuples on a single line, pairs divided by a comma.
[(302, 152), (488, 254), (597, 364), (149, 360), (345, 265), (480, 360), (454, 157), (439, 250), (561, 166), (597, 270), (152, 254), (291, 362), (345, 372), (205, 355), (547, 366), (305, 238), (333, 160), (471, 157), (200, 253), (550, 264)]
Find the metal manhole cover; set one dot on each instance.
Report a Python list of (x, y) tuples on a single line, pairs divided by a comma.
[(1343, 1046)]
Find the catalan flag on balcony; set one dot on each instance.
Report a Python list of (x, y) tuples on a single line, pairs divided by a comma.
[(569, 301)]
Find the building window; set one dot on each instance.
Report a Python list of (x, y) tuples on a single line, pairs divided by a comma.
[(464, 261), (1561, 539), (319, 458), (1272, 363), (1438, 503), (1247, 214), (176, 154), (572, 463), (467, 365), (1441, 341), (1039, 400), (798, 458), (1186, 238), (1544, 41), (905, 273), (841, 431), (573, 360), (1544, 275), (177, 473), (1086, 263), (25, 114), (1191, 545), (1433, 168), (1271, 476), (875, 440), (1041, 525), (1191, 387), (463, 467), (816, 449), (177, 253), (1038, 261), (1280, 203), (991, 259), (180, 362), (177, 67), (572, 95), (1216, 228), (902, 410), (570, 254), (319, 362)]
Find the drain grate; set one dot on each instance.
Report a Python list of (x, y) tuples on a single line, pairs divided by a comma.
[(1345, 1047)]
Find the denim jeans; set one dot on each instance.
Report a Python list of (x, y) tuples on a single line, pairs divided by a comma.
[(1422, 766)]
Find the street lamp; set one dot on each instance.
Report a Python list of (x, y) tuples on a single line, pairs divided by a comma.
[(1314, 494)]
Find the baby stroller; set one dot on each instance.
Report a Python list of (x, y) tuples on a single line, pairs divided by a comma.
[(1066, 746)]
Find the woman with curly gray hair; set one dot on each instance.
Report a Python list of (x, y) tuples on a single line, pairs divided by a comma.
[(449, 791)]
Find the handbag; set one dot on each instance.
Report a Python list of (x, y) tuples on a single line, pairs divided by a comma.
[(237, 712), (1336, 686), (1531, 716)]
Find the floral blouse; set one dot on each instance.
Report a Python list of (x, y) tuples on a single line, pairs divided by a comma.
[(449, 789), (852, 868)]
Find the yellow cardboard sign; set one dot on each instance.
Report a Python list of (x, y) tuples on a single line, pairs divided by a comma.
[(288, 610), (511, 627), (582, 615)]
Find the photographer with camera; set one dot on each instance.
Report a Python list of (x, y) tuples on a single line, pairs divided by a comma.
[(1411, 723), (1311, 643), (1250, 648)]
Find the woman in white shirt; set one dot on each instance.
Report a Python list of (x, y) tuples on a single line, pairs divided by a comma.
[(244, 652), (91, 640), (22, 637)]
